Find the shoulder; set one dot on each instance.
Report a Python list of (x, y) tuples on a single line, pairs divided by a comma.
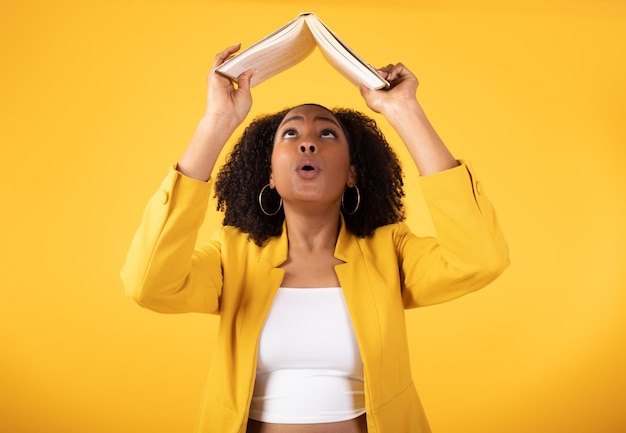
[(391, 230), (389, 234), (233, 236), (237, 241)]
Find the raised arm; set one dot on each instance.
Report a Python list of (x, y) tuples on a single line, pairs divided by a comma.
[(164, 270), (470, 250), (400, 107), (227, 107)]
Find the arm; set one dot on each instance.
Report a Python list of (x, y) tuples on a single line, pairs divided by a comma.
[(227, 107), (470, 250), (164, 270), (400, 107)]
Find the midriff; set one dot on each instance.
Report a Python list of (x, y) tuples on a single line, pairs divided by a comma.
[(356, 425)]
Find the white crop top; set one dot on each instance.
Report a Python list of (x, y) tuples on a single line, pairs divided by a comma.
[(308, 367)]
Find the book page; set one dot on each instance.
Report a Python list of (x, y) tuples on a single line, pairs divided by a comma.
[(273, 54), (345, 60)]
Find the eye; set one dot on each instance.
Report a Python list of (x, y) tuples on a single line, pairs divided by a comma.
[(328, 133), (290, 133)]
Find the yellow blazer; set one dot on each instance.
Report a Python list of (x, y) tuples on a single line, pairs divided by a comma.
[(167, 271)]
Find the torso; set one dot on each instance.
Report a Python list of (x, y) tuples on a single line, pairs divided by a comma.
[(306, 271)]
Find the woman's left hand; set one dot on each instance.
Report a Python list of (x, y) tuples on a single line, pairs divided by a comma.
[(400, 107), (403, 85)]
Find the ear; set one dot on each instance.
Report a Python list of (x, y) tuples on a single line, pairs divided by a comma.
[(272, 185), (353, 177)]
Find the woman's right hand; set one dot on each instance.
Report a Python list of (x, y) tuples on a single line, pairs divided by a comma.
[(225, 102), (227, 107)]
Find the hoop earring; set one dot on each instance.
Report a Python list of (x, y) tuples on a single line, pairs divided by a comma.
[(358, 201), (280, 203)]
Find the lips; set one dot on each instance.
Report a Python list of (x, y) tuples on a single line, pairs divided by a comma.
[(308, 168)]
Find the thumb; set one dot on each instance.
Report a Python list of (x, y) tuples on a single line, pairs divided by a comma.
[(370, 97), (365, 92), (243, 81)]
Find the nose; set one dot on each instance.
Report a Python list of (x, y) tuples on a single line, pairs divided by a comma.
[(310, 147)]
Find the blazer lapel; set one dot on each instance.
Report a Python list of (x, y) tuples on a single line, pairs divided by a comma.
[(358, 291)]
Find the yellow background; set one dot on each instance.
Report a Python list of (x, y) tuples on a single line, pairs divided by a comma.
[(99, 98)]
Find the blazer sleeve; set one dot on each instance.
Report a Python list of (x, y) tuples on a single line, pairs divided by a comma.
[(164, 270), (469, 251)]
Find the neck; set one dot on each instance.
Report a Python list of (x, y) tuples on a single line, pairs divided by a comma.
[(312, 232)]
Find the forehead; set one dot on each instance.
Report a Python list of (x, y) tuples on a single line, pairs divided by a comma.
[(305, 112)]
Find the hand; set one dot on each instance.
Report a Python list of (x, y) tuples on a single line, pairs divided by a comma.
[(400, 107), (225, 103), (227, 107), (400, 94)]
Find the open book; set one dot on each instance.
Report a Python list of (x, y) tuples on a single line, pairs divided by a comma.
[(291, 44)]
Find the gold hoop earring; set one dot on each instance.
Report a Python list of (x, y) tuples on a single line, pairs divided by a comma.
[(280, 203), (358, 201)]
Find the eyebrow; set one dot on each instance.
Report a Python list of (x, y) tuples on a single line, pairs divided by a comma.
[(300, 117)]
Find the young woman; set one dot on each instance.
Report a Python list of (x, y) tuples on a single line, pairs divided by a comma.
[(313, 267)]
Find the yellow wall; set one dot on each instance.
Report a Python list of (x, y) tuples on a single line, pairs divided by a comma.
[(98, 98)]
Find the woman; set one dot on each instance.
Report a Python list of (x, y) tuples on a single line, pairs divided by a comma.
[(313, 266)]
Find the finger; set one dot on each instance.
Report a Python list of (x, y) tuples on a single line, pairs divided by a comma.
[(386, 69), (396, 71), (243, 81), (364, 91), (222, 56)]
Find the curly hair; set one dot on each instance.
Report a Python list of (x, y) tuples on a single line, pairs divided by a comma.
[(247, 170)]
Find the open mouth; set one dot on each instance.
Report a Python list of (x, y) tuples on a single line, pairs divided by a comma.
[(308, 168)]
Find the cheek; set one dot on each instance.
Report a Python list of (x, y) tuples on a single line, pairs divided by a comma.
[(279, 167), (341, 158)]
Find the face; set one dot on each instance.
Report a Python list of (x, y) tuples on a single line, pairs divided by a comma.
[(310, 158)]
